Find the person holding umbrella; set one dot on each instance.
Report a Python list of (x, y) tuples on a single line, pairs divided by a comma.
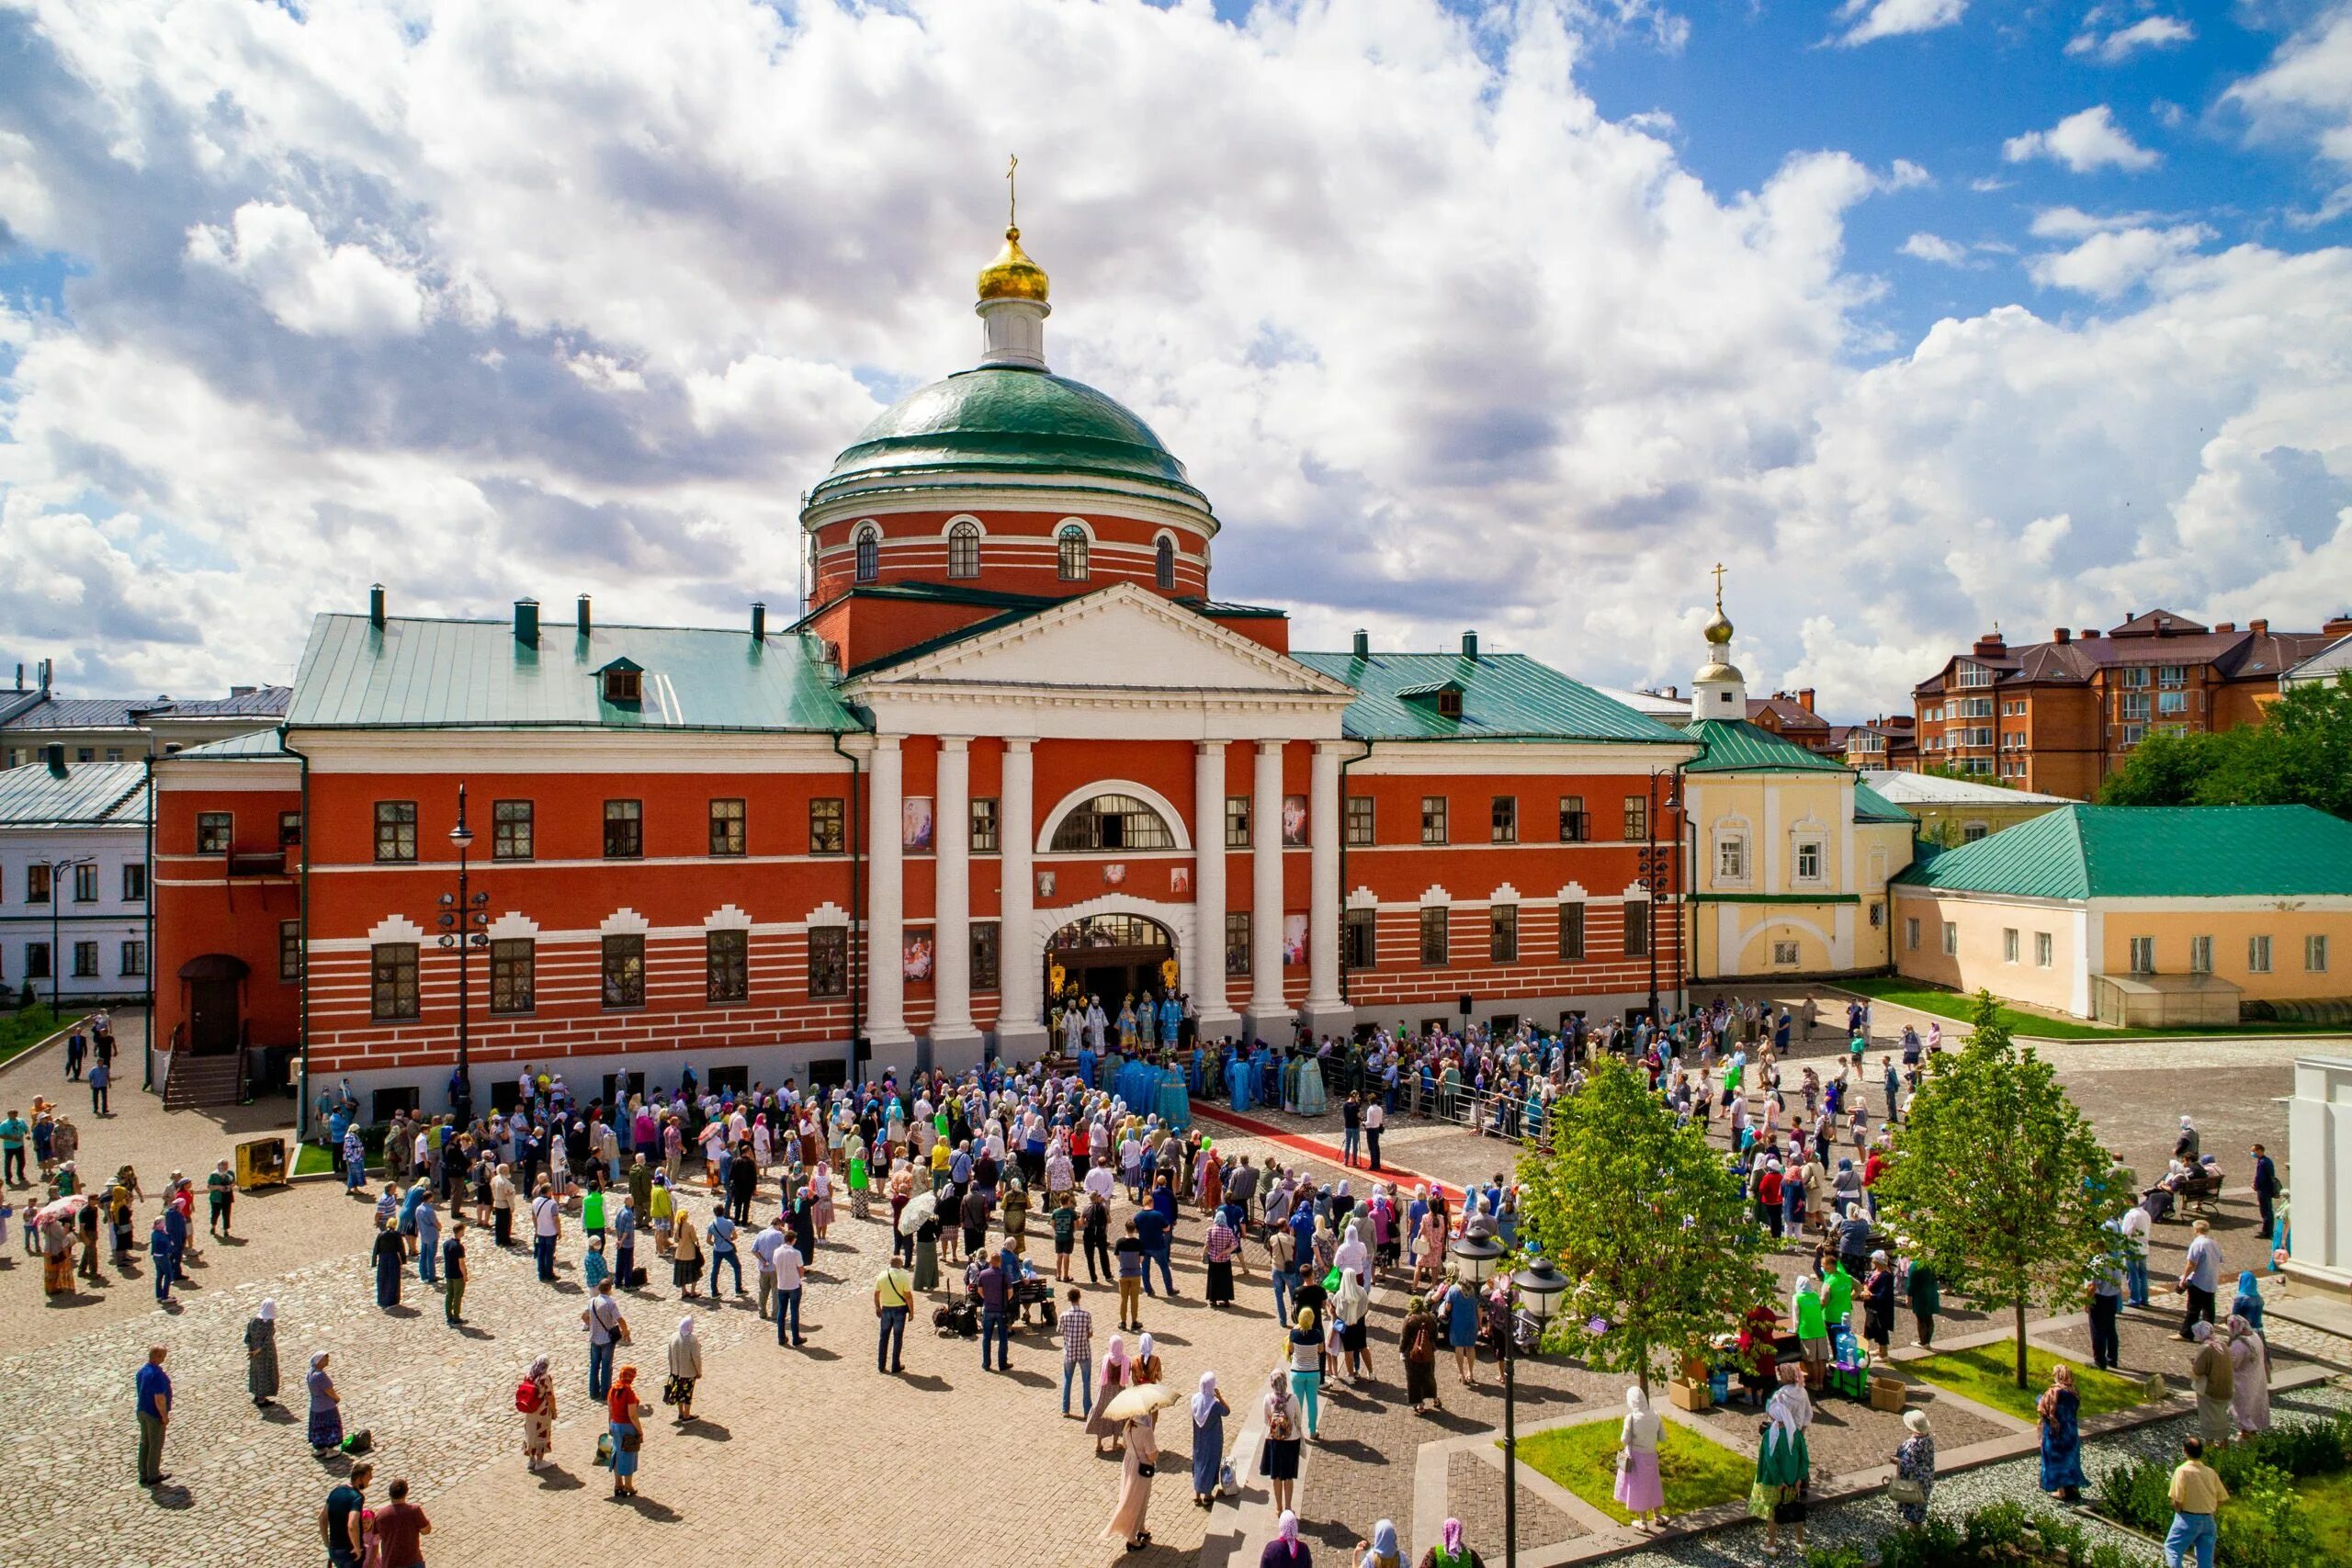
[(920, 1219), (1135, 1411)]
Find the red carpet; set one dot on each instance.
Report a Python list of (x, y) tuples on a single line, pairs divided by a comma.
[(1325, 1150)]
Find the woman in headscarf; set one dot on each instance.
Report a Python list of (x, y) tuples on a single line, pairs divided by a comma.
[(1417, 1339), (2249, 1377), (1639, 1489), (1135, 1484), (1349, 1308), (1759, 1355), (1208, 1439), (2249, 1305), (1147, 1368), (685, 1252), (2214, 1381), (821, 1198), (390, 1255), (2059, 1415), (1118, 1372), (261, 1355), (1878, 1303), (1353, 1259), (1783, 1462), (1381, 1550), (327, 1404), (535, 1401), (1449, 1550), (686, 1371), (1278, 1459), (1286, 1551), (1914, 1463), (625, 1418)]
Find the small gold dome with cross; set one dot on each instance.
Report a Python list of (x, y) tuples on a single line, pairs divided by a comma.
[(1012, 275)]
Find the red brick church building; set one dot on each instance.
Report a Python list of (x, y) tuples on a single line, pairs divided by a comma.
[(1016, 740)]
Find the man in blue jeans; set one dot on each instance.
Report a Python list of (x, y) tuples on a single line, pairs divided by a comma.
[(787, 1263), (1077, 1350), (2197, 1495), (893, 1289), (721, 1232), (1151, 1229), (605, 1326), (996, 1323)]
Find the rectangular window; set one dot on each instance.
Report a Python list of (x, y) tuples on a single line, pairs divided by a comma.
[(1359, 933), (2143, 955), (624, 971), (2135, 704), (86, 961), (1502, 933), (827, 826), (36, 961), (391, 981), (289, 952), (727, 966), (134, 959), (1503, 820), (1951, 939), (395, 831), (1731, 860), (289, 829), (1237, 822), (829, 961), (1572, 933), (2131, 734), (85, 884), (984, 841), (511, 830), (2172, 675), (1433, 819), (1878, 914), (2257, 954), (37, 884), (213, 831), (1574, 827), (1911, 932), (2009, 945), (2135, 675), (2042, 955), (134, 884), (624, 829), (2172, 701), (2315, 954), (728, 833), (1808, 860), (1785, 954), (1637, 818), (1237, 941), (1638, 929), (986, 973), (514, 974), (1433, 934), (1359, 820), (2200, 955)]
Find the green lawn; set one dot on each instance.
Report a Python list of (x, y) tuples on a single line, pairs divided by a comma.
[(1952, 1005), (2327, 1503), (23, 1031), (1698, 1473), (311, 1160), (1987, 1374)]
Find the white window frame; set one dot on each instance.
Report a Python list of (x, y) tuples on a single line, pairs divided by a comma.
[(2258, 955), (2200, 955), (2010, 944), (2143, 956), (2044, 950), (1951, 939), (2315, 954)]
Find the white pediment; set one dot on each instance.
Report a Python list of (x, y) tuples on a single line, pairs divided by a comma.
[(1124, 638)]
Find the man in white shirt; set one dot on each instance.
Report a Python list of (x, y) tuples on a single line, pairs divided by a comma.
[(788, 1264), (2135, 1226), (547, 1224), (1374, 1116), (763, 1250)]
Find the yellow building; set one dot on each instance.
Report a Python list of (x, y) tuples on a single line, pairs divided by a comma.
[(1790, 853), (1951, 812), (2139, 915)]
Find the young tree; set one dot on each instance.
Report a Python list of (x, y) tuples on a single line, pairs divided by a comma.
[(1652, 1230), (1998, 1177)]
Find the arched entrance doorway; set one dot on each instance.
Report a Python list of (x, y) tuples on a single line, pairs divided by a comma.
[(1111, 956)]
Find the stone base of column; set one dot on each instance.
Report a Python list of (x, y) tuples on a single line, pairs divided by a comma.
[(1274, 1026), (1212, 1027), (891, 1048), (956, 1053), (1329, 1017), (1022, 1043)]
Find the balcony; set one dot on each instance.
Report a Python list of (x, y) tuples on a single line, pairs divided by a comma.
[(256, 862)]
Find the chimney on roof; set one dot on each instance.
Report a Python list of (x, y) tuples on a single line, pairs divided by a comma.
[(1804, 698), (376, 605), (2260, 628), (583, 622), (55, 754), (241, 691), (759, 621), (2227, 627), (1991, 645), (20, 674), (2060, 636), (1363, 643), (2090, 634), (2337, 625), (526, 622), (48, 667), (1470, 646)]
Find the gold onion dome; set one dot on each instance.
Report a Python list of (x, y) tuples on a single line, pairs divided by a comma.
[(1718, 628), (1012, 275)]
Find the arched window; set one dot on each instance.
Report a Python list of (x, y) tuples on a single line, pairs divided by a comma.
[(869, 553), (963, 550), (1114, 822), (1073, 553), (1163, 565)]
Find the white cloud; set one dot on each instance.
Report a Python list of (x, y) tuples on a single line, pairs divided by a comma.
[(1872, 19), (2109, 263), (2305, 93), (1934, 248), (343, 290), (2119, 44), (2083, 143), (2073, 223)]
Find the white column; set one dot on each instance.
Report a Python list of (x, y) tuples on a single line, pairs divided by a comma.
[(886, 904), (1325, 1011), (1205, 966), (1269, 1014), (1020, 1033), (954, 1043)]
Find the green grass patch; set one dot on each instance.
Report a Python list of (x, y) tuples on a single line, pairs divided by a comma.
[(2327, 1505), (23, 1031), (1987, 1374), (310, 1160), (1961, 1009), (1698, 1471)]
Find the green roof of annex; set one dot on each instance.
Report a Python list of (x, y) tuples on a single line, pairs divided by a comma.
[(1505, 697), (2153, 851)]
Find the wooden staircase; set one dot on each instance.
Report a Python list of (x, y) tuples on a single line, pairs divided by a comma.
[(191, 1081)]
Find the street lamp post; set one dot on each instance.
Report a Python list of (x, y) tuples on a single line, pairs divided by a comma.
[(464, 914), (1657, 862), (1539, 1287), (57, 870)]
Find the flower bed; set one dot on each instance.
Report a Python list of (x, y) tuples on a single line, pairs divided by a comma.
[(1698, 1473), (2000, 1534), (2287, 1487)]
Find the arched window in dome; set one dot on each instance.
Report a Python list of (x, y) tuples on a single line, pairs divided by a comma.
[(1114, 822), (1163, 566), (1072, 540), (869, 553), (963, 550)]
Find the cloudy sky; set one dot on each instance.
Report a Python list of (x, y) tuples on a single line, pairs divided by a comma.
[(1919, 314)]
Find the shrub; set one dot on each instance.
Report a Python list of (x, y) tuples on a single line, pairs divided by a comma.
[(2000, 1534), (2264, 1526)]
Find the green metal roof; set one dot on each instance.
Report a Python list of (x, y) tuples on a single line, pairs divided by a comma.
[(88, 795), (1006, 420), (259, 745), (430, 675), (1871, 806), (2153, 851), (1736, 745), (1505, 697)]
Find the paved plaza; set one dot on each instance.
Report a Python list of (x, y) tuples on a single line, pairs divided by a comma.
[(809, 1450)]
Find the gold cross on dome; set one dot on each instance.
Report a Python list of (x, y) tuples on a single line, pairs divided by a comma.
[(1719, 585), (1012, 193)]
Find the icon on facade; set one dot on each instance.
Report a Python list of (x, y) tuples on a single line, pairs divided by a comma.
[(1044, 885), (1293, 939), (915, 820), (1180, 879), (918, 953), (1294, 821), (1114, 874)]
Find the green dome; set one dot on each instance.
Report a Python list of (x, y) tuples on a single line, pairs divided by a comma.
[(1004, 420)]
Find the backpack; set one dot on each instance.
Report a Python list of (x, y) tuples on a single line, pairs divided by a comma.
[(526, 1397)]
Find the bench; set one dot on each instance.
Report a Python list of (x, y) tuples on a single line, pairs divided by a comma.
[(2194, 1193)]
